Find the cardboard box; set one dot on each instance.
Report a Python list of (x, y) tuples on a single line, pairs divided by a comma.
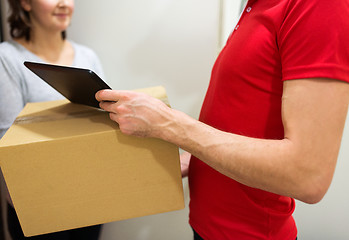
[(68, 166)]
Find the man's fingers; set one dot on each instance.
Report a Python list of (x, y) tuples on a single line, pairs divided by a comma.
[(108, 95), (107, 106)]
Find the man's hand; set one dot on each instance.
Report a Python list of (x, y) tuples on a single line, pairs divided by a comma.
[(136, 113)]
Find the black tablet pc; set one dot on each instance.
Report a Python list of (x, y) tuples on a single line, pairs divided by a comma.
[(76, 84)]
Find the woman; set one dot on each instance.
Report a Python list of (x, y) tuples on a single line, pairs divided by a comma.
[(38, 34)]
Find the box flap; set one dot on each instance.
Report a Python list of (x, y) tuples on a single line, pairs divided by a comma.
[(47, 121)]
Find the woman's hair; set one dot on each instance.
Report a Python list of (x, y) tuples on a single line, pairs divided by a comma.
[(19, 21)]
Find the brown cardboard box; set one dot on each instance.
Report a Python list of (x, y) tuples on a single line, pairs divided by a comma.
[(68, 166)]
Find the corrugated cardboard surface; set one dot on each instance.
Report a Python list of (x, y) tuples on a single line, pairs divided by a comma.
[(68, 166)]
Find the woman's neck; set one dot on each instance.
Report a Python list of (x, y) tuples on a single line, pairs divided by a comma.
[(51, 48)]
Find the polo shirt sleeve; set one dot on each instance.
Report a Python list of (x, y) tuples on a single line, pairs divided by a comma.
[(313, 40)]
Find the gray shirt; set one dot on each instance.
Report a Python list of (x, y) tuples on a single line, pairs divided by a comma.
[(18, 85)]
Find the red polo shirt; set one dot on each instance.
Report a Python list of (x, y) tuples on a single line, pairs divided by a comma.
[(274, 41)]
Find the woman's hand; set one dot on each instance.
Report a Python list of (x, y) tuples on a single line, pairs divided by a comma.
[(185, 160)]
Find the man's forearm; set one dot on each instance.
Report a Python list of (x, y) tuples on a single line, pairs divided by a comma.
[(276, 166)]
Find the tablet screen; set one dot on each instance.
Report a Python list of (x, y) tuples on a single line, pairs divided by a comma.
[(76, 84)]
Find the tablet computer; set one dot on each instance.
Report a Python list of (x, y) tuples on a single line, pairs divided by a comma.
[(76, 84)]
